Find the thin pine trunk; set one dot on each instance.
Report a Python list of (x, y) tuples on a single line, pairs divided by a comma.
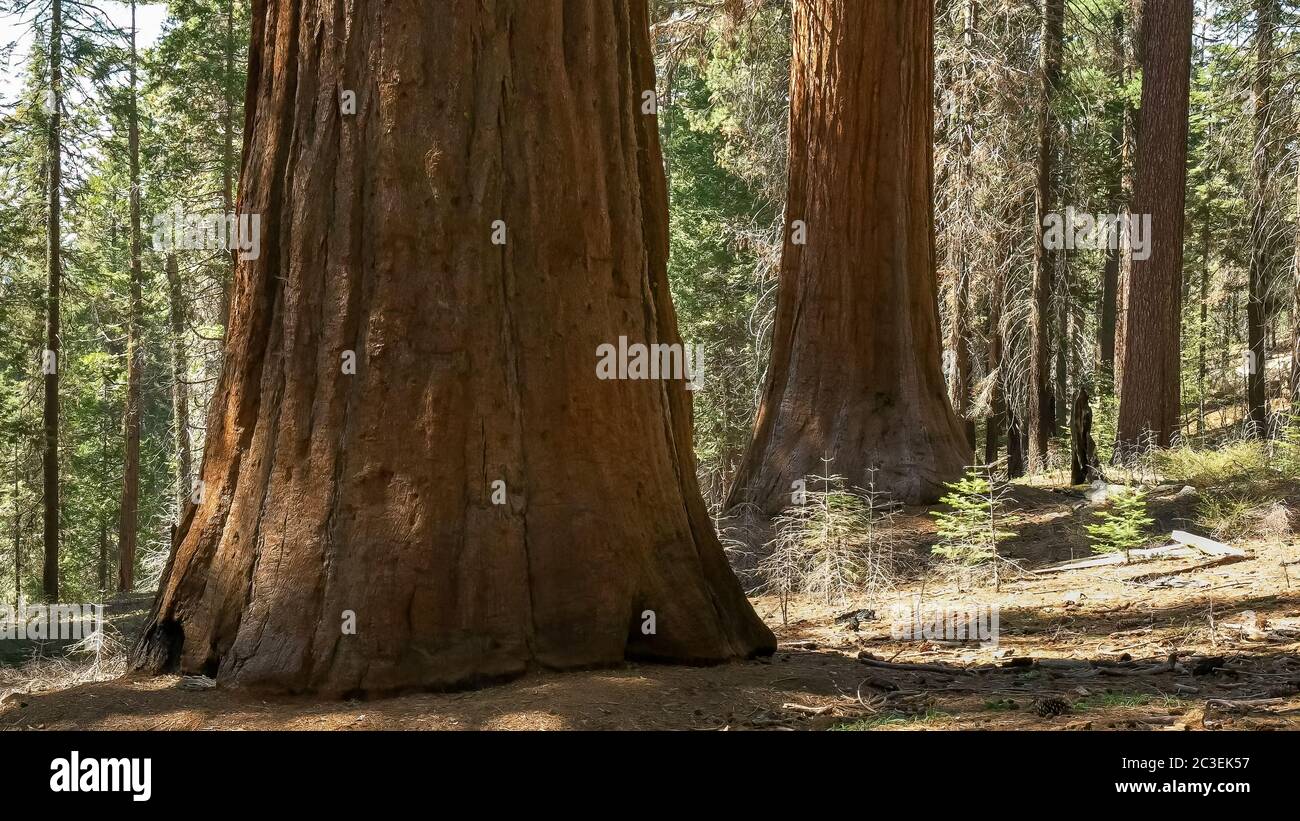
[(51, 364), (1266, 13), (128, 522), (1041, 416), (180, 385)]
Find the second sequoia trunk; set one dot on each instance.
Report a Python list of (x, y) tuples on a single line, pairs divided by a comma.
[(855, 375), (413, 476), (1149, 395)]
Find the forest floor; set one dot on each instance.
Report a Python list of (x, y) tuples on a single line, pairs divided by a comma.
[(1187, 643)]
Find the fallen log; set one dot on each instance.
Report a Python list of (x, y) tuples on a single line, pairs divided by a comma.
[(804, 708), (1186, 545), (1215, 562), (1207, 545), (1244, 704), (915, 668), (1171, 551)]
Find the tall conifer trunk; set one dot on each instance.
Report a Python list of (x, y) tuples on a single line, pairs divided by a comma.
[(50, 362), (1040, 417), (855, 374), (128, 520), (1149, 397), (472, 501)]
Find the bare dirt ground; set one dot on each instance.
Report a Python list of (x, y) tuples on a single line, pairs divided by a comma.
[(1176, 644)]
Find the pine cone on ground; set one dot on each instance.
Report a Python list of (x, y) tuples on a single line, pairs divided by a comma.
[(1051, 706)]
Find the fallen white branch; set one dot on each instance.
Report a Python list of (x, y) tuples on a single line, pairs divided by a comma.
[(804, 708), (1145, 553), (914, 668), (1207, 545), (1186, 545)]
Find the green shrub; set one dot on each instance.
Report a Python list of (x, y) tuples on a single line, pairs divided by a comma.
[(969, 535), (1233, 463), (1123, 527)]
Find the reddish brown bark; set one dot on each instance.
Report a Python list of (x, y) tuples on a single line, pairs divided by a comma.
[(128, 519), (997, 416), (1295, 318), (1084, 465), (180, 384), (1257, 306), (1041, 414), (53, 333), (372, 493), (1132, 57), (959, 342), (1149, 396), (228, 101), (855, 374), (1110, 273)]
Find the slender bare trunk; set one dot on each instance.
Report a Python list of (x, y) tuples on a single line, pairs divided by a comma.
[(998, 405), (128, 522), (960, 341), (1132, 58), (18, 530), (1202, 331), (1295, 315), (1041, 413), (180, 384), (1110, 273), (228, 157), (51, 362), (1266, 13)]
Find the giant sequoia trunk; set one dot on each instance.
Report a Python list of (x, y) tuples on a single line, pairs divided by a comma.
[(472, 496), (1149, 396), (855, 374)]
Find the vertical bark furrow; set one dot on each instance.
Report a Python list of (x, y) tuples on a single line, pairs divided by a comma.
[(1150, 391), (855, 370), (371, 492)]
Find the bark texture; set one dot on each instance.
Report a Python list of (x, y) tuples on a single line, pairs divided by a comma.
[(1041, 414), (177, 317), (1116, 195), (997, 419), (1128, 152), (855, 374), (959, 342), (54, 284), (1084, 464), (326, 493), (128, 519), (1149, 396), (1295, 316), (1261, 169)]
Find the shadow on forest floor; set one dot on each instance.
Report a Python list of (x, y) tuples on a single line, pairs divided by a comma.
[(1082, 649), (1051, 670)]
